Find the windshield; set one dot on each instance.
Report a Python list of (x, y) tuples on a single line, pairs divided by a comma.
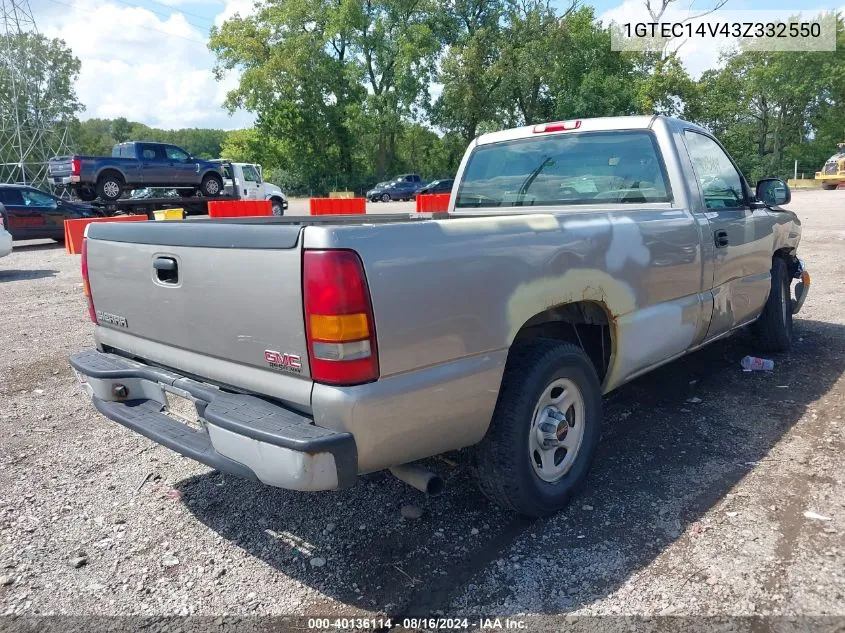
[(583, 168)]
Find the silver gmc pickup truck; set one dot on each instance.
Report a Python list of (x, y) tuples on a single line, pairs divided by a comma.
[(575, 256)]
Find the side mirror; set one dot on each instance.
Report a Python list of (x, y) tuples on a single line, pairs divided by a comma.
[(773, 192)]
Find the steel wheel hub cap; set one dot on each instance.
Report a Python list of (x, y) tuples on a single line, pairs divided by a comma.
[(557, 429)]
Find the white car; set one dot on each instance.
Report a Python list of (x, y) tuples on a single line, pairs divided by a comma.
[(5, 236)]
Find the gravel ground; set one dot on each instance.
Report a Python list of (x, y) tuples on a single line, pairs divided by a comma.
[(696, 504)]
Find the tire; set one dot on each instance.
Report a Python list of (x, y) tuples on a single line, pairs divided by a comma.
[(828, 186), (211, 186), (773, 329), (110, 186), (187, 193), (278, 207), (87, 194), (385, 197), (508, 462)]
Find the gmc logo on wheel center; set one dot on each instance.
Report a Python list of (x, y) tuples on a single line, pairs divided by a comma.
[(287, 362)]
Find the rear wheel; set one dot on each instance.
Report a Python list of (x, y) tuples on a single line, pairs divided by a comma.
[(773, 329), (827, 186), (87, 194), (545, 428), (110, 186), (211, 185)]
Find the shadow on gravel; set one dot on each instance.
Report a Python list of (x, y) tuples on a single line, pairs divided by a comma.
[(37, 245), (22, 275), (662, 463)]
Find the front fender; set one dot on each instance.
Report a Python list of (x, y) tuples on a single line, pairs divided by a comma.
[(786, 229)]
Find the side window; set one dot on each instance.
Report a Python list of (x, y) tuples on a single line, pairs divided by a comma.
[(148, 152), (249, 173), (11, 196), (174, 153), (720, 182), (33, 198)]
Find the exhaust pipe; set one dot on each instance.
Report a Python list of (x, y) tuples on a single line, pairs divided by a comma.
[(419, 478)]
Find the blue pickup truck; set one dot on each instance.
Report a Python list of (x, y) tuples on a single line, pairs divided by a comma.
[(134, 165)]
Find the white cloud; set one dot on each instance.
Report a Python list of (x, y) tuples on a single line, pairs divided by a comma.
[(182, 3), (240, 7), (143, 66)]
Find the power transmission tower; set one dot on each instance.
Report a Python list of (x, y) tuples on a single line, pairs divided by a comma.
[(30, 132)]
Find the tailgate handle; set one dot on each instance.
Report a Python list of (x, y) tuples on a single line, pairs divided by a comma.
[(167, 271)]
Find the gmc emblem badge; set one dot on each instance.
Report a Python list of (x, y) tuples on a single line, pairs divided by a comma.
[(285, 362)]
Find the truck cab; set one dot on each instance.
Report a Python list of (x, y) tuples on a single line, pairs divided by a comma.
[(246, 181)]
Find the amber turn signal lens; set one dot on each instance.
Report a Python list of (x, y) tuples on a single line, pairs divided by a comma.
[(339, 328)]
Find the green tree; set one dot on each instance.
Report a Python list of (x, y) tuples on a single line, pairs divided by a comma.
[(298, 77), (771, 108), (471, 96), (36, 92), (664, 86)]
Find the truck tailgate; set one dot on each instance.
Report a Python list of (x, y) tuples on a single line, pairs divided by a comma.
[(228, 292), (59, 167)]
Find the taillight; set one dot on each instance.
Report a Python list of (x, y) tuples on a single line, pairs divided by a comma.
[(557, 126), (75, 167), (338, 318), (86, 286)]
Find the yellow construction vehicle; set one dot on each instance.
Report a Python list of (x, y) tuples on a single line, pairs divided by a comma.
[(833, 172)]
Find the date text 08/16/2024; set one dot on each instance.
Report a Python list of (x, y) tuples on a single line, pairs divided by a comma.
[(416, 623)]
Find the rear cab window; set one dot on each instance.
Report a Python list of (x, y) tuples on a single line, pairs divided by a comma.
[(616, 167)]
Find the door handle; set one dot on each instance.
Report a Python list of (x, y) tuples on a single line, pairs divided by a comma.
[(167, 270), (721, 238)]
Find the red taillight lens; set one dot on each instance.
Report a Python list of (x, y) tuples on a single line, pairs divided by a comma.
[(86, 286), (557, 126), (338, 318), (75, 167)]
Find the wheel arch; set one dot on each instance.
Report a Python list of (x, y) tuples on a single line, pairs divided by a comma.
[(589, 324), (109, 170), (211, 171), (787, 254)]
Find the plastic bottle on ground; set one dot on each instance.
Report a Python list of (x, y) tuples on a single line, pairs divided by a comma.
[(752, 363)]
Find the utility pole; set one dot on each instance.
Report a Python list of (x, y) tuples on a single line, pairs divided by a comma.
[(29, 135)]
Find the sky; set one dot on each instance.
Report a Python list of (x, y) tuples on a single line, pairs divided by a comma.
[(147, 60)]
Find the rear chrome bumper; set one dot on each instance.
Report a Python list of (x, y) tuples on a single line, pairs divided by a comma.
[(64, 180), (239, 434)]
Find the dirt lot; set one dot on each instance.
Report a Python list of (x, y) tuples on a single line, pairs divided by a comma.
[(696, 504)]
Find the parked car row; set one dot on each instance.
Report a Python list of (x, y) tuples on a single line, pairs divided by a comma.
[(32, 214), (407, 187)]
